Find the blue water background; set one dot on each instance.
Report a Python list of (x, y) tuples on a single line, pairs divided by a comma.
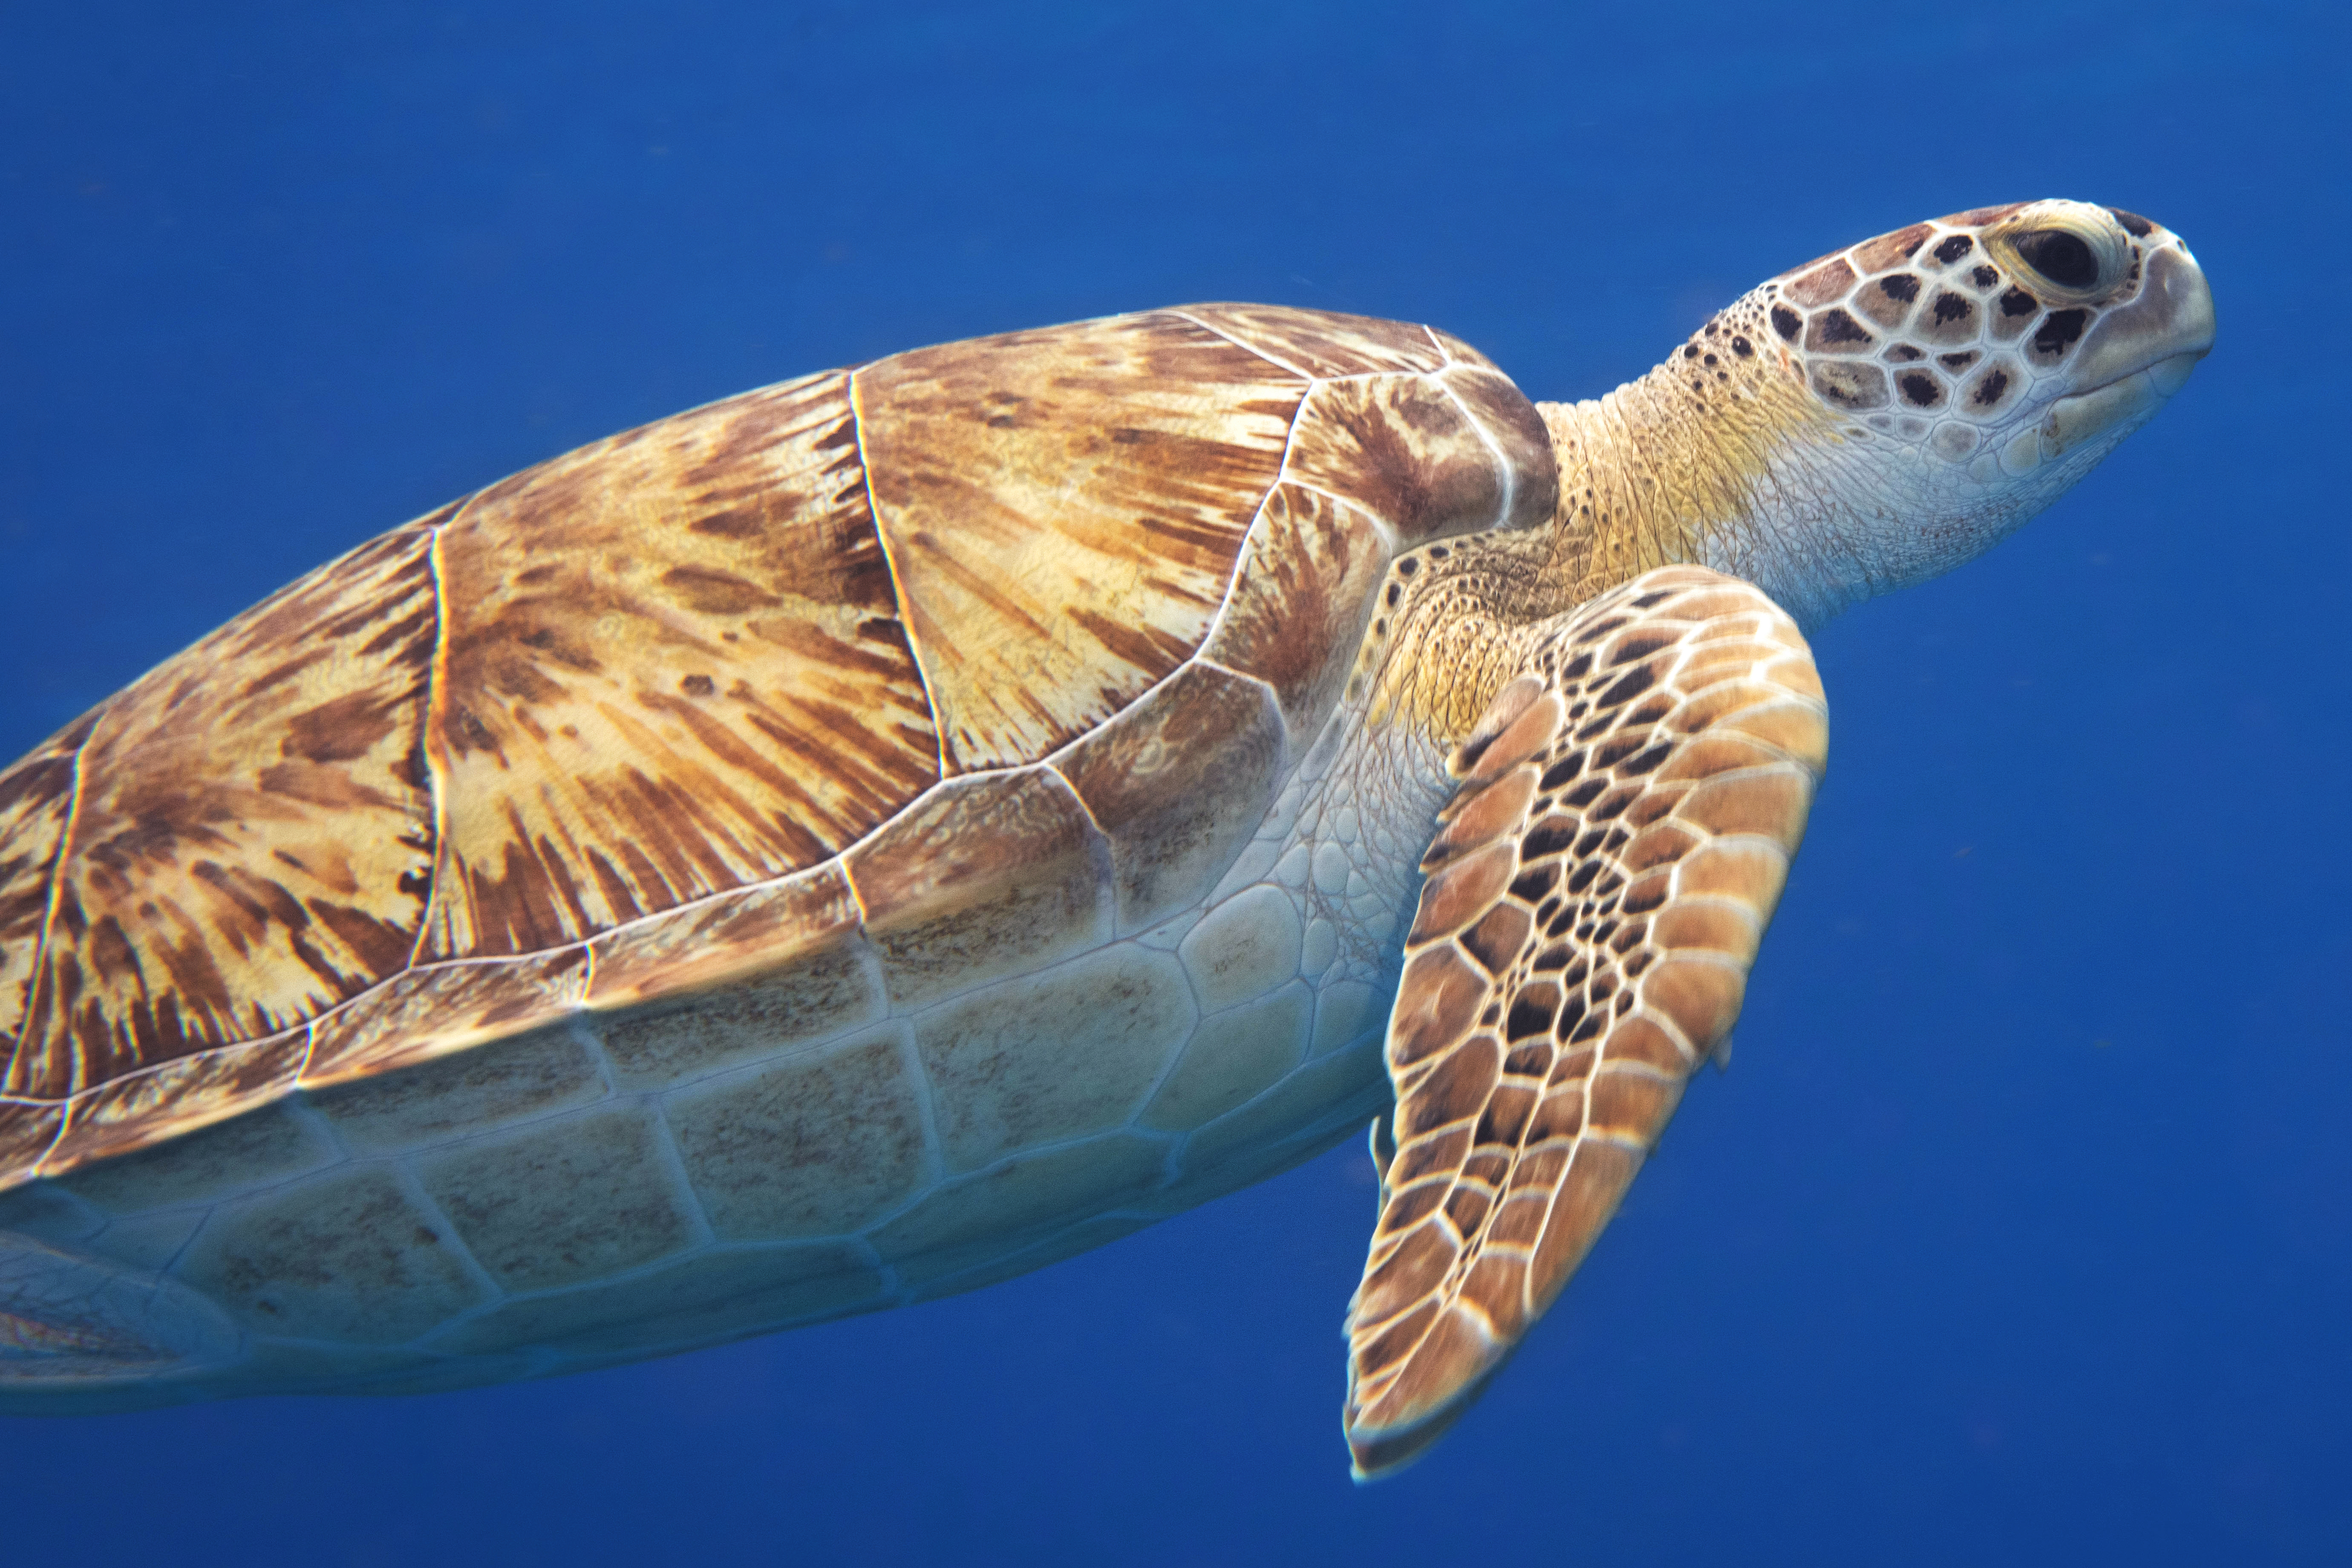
[(2019, 1232)]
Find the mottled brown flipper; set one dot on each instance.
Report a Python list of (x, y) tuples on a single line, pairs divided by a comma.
[(1623, 826)]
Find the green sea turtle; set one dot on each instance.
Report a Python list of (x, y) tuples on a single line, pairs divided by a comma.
[(880, 834)]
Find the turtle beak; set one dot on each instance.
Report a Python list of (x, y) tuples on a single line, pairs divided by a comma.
[(2136, 356)]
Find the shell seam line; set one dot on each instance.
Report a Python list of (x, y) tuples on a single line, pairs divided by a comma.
[(437, 696), (32, 1170), (1257, 518), (310, 1050), (1486, 439), (890, 562), (1304, 375), (436, 700), (49, 913), (1444, 360)]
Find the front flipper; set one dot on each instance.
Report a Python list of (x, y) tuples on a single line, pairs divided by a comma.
[(1595, 894)]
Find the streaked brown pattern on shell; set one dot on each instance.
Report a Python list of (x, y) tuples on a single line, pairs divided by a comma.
[(675, 666), (37, 799), (1303, 600), (1064, 509), (1315, 346), (1593, 901), (253, 840), (1141, 781), (649, 729)]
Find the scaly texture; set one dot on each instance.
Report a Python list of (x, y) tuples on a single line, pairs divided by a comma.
[(1620, 835)]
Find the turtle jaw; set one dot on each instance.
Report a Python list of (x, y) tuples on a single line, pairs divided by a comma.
[(2133, 361)]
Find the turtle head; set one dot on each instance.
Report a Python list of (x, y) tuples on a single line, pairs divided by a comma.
[(1907, 401)]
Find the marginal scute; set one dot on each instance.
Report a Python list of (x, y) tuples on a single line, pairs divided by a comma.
[(1139, 777), (1522, 440), (1301, 602), (726, 942), (434, 1012), (985, 878), (165, 1104), (28, 1128), (1404, 450)]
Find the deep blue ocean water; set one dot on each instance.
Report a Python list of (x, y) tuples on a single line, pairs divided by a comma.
[(2019, 1232)]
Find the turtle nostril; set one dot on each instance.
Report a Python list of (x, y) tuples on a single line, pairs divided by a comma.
[(2064, 258)]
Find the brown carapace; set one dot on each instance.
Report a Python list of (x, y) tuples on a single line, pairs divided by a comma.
[(699, 658)]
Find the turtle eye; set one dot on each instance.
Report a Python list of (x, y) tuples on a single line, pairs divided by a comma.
[(2062, 258), (2064, 252)]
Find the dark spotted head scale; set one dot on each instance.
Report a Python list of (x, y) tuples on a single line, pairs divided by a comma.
[(1958, 335)]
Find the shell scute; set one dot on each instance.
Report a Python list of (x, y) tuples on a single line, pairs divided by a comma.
[(564, 1201), (1503, 413), (349, 1257), (724, 940), (998, 1060), (656, 745), (175, 1098), (432, 1012), (268, 1144), (28, 1129), (1139, 777), (253, 834), (1323, 344), (35, 802), (1064, 510), (1404, 450), (673, 665), (1301, 602), (984, 878), (510, 1079)]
